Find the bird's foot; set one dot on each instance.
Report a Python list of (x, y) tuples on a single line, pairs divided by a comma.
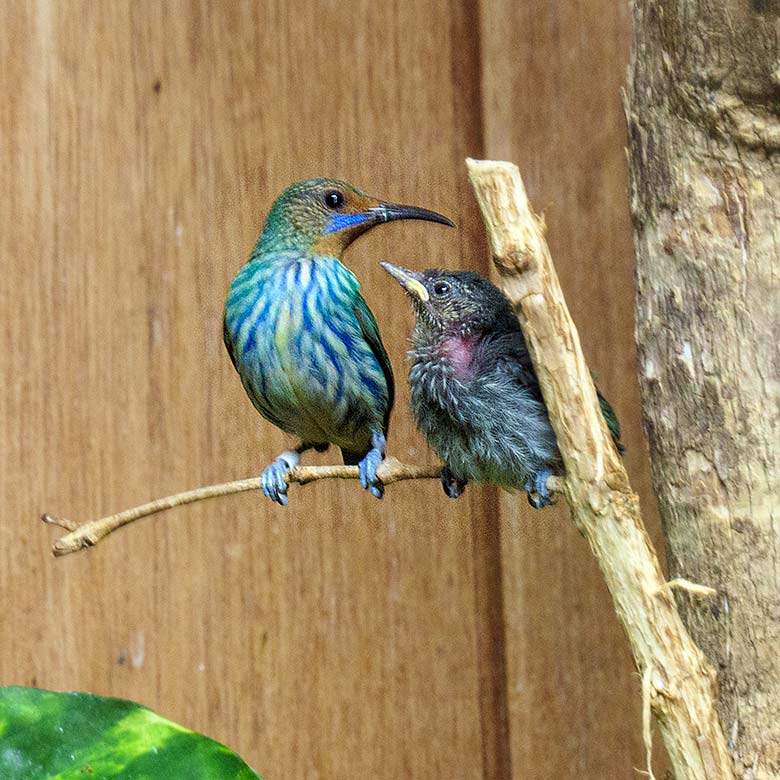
[(273, 479), (453, 486), (538, 494), (370, 463)]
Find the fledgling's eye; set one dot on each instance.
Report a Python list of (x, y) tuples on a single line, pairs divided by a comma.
[(441, 288), (334, 199)]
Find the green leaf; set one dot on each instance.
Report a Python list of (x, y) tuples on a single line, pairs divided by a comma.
[(70, 736)]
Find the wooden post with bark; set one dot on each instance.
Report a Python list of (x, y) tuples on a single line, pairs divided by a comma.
[(704, 145)]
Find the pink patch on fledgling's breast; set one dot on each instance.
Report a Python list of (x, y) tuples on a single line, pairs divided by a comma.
[(460, 351)]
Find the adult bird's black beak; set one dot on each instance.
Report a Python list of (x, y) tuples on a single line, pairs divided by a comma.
[(388, 212), (411, 281)]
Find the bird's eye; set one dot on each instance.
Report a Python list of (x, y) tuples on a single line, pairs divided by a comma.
[(334, 199), (441, 288)]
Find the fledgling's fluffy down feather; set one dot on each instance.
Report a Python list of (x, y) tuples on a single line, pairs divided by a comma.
[(474, 392)]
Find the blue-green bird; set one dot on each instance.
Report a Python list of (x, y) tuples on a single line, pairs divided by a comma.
[(303, 340)]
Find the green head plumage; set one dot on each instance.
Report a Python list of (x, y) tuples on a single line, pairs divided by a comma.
[(325, 216)]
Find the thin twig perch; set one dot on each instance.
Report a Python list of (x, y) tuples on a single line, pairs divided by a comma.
[(680, 683), (90, 533), (83, 535)]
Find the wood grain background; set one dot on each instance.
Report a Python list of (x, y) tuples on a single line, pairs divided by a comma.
[(141, 144)]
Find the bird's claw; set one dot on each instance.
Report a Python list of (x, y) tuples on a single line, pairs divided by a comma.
[(273, 479), (538, 494), (273, 482), (453, 486), (368, 477), (369, 465)]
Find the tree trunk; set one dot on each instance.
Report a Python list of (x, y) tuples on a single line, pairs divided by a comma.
[(704, 144)]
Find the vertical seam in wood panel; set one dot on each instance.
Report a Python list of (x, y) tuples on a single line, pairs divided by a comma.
[(489, 623), (491, 632)]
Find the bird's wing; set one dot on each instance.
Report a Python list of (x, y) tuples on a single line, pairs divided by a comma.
[(370, 329), (518, 364), (515, 360)]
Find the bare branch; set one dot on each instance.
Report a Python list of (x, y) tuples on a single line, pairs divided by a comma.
[(90, 533), (680, 683)]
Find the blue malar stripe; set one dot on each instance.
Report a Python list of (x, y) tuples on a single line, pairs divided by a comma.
[(341, 221)]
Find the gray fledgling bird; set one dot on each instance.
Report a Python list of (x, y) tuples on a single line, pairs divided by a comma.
[(474, 392)]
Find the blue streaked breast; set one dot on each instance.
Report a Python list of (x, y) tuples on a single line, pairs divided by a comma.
[(298, 347)]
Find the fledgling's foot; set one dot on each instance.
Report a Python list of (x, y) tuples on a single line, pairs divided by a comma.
[(453, 486), (370, 463), (538, 495), (273, 477)]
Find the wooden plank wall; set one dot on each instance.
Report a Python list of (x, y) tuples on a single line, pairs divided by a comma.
[(140, 145)]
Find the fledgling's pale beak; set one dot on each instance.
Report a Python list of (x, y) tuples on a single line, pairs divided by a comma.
[(411, 281)]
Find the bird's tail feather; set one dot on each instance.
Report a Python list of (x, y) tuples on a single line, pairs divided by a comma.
[(612, 421), (351, 458)]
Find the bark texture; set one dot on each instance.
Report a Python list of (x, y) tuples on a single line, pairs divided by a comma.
[(704, 148)]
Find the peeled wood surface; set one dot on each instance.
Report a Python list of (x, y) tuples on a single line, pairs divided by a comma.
[(678, 683), (553, 107), (141, 145)]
